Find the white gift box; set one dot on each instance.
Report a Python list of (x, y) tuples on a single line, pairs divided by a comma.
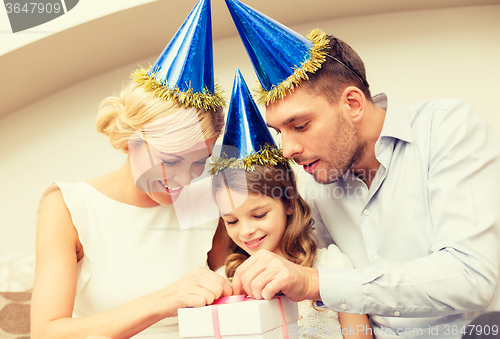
[(249, 319)]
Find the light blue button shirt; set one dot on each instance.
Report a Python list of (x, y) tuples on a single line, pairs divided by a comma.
[(425, 236)]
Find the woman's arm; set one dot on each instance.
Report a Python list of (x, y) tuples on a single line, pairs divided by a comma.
[(355, 326), (55, 287)]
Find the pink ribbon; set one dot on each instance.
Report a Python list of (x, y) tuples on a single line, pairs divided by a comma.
[(240, 298)]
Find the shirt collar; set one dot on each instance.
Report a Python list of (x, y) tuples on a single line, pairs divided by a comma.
[(397, 118)]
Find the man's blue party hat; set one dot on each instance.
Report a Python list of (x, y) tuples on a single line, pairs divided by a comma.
[(247, 140), (281, 57), (184, 70)]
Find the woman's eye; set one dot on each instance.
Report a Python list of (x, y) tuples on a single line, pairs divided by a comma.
[(232, 222), (260, 216), (170, 163)]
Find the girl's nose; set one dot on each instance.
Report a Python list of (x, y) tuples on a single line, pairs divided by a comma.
[(247, 229)]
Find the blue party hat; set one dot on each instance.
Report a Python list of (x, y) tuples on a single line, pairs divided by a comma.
[(247, 140), (184, 70), (281, 57)]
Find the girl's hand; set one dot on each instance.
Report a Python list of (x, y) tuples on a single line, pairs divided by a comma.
[(199, 287)]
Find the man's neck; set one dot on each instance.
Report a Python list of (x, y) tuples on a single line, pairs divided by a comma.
[(373, 121)]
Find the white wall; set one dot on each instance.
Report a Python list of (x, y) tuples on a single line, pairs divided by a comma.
[(411, 55)]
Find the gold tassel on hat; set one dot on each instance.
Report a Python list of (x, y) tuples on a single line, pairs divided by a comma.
[(317, 56), (202, 100)]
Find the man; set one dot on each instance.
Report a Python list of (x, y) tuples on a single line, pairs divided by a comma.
[(410, 194)]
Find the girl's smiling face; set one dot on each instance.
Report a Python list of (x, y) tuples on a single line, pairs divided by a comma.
[(258, 223)]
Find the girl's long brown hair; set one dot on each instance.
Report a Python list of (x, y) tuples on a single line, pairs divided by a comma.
[(298, 244)]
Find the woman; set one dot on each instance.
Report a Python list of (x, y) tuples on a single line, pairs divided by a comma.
[(111, 257)]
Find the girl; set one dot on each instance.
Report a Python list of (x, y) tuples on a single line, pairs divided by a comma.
[(274, 217)]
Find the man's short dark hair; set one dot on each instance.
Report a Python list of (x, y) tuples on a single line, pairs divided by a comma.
[(342, 68)]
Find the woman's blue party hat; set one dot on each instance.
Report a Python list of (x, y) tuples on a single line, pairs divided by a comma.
[(280, 56), (247, 140), (184, 70)]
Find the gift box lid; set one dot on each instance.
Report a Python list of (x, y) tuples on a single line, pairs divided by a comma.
[(238, 318)]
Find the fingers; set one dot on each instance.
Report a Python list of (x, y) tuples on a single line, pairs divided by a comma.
[(201, 287), (265, 274), (215, 283), (246, 272), (256, 273)]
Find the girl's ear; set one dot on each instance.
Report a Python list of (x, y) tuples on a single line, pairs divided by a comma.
[(289, 208)]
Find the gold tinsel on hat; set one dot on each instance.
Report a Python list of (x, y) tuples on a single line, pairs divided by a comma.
[(317, 56), (267, 156), (206, 99)]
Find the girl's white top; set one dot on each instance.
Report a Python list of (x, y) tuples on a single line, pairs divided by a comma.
[(322, 322)]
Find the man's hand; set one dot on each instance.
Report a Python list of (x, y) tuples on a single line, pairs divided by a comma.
[(265, 274)]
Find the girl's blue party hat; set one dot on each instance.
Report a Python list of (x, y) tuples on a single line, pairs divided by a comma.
[(247, 140)]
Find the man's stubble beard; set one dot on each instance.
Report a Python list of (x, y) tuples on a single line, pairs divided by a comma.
[(351, 148)]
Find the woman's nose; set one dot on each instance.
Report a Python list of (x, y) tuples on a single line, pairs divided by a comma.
[(184, 178)]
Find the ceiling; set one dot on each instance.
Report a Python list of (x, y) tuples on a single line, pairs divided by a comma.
[(48, 65)]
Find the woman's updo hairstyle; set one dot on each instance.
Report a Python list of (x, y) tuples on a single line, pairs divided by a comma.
[(120, 116)]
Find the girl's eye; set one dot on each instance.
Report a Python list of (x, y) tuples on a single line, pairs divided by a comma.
[(260, 216), (232, 222), (170, 163)]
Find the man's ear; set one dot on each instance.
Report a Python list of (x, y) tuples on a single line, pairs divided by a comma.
[(354, 103)]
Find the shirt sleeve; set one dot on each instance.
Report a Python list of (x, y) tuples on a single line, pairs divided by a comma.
[(461, 271)]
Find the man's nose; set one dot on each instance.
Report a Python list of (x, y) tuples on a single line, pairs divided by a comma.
[(291, 146)]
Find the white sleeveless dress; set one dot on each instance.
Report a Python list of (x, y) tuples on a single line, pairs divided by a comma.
[(129, 251)]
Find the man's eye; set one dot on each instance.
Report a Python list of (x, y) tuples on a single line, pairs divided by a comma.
[(301, 127), (260, 216)]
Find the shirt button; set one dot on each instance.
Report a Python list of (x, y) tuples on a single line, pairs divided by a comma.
[(397, 313), (343, 307), (376, 258), (366, 212)]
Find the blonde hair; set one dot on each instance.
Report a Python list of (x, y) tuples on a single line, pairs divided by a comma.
[(298, 244), (134, 109)]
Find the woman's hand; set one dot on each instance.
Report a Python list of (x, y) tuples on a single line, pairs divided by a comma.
[(199, 287)]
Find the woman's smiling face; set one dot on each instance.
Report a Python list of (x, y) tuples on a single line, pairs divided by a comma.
[(168, 173), (258, 223)]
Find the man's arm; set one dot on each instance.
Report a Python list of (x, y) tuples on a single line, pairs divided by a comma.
[(461, 270)]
